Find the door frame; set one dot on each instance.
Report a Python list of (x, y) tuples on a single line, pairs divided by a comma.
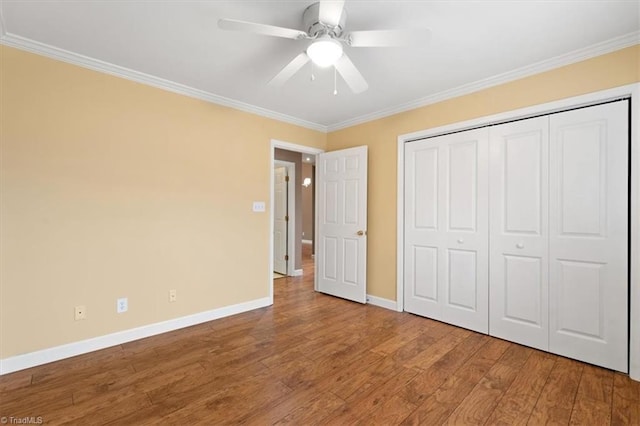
[(275, 143), (291, 200), (628, 91)]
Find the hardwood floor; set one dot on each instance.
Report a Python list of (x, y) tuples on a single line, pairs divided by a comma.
[(315, 359)]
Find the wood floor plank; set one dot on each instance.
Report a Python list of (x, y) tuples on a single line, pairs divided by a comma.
[(596, 384), (626, 388), (364, 404), (517, 403), (413, 329), (558, 394), (426, 358), (625, 411), (478, 405), (593, 403), (429, 380), (370, 369), (390, 411), (590, 412), (316, 359), (311, 411), (20, 379), (437, 408)]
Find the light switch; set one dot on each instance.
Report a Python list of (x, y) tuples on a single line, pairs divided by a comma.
[(259, 206)]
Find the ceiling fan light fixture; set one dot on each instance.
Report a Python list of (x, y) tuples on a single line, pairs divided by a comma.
[(325, 51)]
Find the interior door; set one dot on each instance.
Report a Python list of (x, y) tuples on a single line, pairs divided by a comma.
[(280, 220), (589, 234), (446, 229), (519, 245), (341, 257)]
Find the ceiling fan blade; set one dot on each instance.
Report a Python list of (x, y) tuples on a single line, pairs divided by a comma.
[(351, 75), (384, 38), (270, 30), (330, 12), (289, 70)]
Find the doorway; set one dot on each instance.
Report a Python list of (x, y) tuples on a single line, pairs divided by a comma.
[(296, 154)]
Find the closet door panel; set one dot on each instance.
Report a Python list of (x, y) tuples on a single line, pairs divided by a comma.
[(446, 229), (519, 154), (589, 235), (423, 228)]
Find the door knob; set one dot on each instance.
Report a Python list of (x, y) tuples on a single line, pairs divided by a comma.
[(460, 241), (361, 233), (520, 245)]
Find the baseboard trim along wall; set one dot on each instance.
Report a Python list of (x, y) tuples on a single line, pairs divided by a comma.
[(381, 302), (32, 359)]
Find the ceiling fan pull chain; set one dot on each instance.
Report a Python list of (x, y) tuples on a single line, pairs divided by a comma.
[(313, 76), (335, 81)]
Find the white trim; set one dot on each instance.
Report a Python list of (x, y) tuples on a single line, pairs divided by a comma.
[(291, 224), (43, 49), (297, 273), (381, 302), (632, 90), (400, 228), (272, 158), (32, 359), (589, 52), (634, 314), (307, 242), (22, 43)]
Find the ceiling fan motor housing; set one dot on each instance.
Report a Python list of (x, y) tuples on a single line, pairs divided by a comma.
[(315, 28)]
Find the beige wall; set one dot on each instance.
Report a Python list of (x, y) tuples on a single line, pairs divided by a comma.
[(607, 71), (111, 188)]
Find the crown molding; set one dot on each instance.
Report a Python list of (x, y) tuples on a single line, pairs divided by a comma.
[(32, 46), (589, 52), (23, 43)]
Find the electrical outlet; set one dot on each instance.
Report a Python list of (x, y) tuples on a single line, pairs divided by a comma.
[(173, 296), (122, 305), (80, 313)]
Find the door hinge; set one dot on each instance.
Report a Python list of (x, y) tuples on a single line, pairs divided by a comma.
[(286, 257), (286, 218), (286, 178)]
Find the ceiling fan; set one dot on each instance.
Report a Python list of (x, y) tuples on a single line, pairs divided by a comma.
[(324, 24)]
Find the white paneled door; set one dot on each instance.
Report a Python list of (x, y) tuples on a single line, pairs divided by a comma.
[(589, 234), (341, 255), (446, 229), (519, 244), (545, 261), (280, 220)]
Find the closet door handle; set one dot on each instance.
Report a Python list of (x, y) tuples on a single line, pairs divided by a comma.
[(460, 241), (520, 245)]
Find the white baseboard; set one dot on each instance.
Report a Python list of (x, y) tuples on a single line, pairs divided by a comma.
[(383, 303), (307, 242), (297, 273), (32, 359)]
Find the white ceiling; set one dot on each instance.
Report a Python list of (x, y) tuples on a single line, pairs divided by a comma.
[(177, 45)]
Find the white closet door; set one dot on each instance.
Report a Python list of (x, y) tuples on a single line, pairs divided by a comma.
[(519, 160), (446, 229), (588, 234)]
